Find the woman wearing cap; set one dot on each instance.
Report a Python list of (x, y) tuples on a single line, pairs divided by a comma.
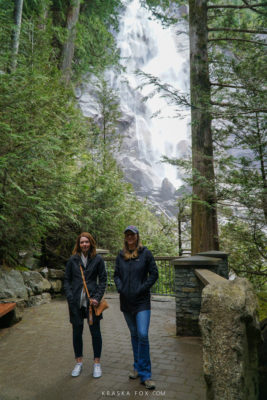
[(135, 273), (84, 255)]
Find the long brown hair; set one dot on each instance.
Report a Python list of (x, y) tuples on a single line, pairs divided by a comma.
[(92, 249), (127, 254)]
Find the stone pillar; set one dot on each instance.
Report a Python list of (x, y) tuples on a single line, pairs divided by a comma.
[(230, 334), (188, 290), (222, 268)]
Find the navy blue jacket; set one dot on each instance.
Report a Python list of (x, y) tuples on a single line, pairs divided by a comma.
[(134, 278), (95, 277)]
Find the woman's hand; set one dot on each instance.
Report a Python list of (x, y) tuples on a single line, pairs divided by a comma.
[(94, 302)]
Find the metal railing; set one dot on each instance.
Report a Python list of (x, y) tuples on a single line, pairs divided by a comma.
[(164, 285)]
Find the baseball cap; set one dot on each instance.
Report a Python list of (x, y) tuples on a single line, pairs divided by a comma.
[(131, 228)]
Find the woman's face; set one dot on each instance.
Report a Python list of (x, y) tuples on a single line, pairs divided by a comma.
[(131, 239), (84, 244)]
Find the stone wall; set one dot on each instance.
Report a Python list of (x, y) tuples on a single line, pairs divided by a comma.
[(230, 334), (31, 286), (188, 288)]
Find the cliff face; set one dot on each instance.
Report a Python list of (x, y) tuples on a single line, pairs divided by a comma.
[(136, 156), (145, 45)]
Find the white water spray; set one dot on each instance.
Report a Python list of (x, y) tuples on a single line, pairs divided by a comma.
[(145, 45)]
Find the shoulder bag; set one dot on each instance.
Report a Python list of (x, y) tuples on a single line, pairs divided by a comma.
[(102, 306)]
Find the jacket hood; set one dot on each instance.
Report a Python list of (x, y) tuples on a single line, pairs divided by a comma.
[(140, 250)]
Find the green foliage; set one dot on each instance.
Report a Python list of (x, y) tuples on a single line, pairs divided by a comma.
[(57, 174), (6, 14), (262, 298), (237, 60), (41, 131), (21, 268), (106, 206), (164, 10), (108, 110), (246, 246), (95, 46), (239, 94)]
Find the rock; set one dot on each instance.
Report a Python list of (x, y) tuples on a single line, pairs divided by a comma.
[(19, 310), (36, 282), (139, 173), (29, 291), (12, 285), (167, 189), (29, 260), (183, 149), (263, 361), (46, 298), (39, 299), (44, 272), (55, 274), (263, 344), (56, 286), (230, 332)]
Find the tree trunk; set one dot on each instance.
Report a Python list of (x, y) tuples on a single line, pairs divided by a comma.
[(68, 47), (18, 6), (43, 17), (180, 251), (204, 214)]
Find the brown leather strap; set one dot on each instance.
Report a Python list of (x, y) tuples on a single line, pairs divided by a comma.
[(88, 295)]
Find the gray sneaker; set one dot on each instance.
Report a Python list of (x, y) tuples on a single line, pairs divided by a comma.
[(97, 371), (149, 384), (77, 369), (133, 375)]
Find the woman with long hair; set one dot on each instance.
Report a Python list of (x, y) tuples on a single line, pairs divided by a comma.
[(84, 256), (135, 273)]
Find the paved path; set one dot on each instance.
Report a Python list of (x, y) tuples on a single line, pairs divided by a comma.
[(36, 358)]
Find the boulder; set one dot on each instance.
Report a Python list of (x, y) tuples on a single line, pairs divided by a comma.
[(167, 189), (56, 286), (12, 285), (55, 274), (35, 282), (263, 361), (230, 333), (29, 260), (39, 299), (44, 272)]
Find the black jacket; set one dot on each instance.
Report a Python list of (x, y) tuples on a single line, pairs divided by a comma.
[(95, 277), (134, 278)]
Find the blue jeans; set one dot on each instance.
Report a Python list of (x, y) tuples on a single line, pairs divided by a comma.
[(138, 325)]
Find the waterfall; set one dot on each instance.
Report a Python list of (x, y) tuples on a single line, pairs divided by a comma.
[(145, 45)]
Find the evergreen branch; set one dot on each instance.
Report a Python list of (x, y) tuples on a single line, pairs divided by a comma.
[(237, 7), (164, 90), (228, 114), (236, 87), (227, 85), (253, 6), (257, 244), (237, 30), (214, 103), (236, 39)]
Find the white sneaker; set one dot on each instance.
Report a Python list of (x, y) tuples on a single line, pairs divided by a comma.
[(97, 371), (77, 369)]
